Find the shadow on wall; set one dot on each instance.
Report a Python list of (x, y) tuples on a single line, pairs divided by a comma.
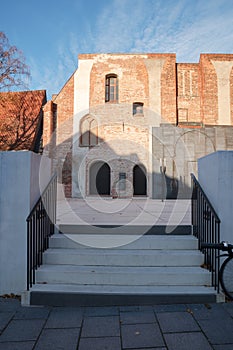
[(94, 170)]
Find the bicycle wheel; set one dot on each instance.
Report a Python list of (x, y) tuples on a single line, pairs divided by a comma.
[(226, 277)]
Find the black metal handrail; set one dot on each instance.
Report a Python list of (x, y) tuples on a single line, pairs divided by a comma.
[(40, 226), (206, 227)]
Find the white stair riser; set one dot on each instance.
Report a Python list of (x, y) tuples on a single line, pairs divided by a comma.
[(126, 279), (144, 242), (113, 259)]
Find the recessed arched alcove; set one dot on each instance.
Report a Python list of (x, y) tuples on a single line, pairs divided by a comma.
[(139, 180), (99, 179)]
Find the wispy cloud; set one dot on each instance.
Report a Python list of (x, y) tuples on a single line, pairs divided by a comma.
[(185, 27)]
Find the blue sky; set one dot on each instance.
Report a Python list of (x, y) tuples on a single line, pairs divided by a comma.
[(51, 33)]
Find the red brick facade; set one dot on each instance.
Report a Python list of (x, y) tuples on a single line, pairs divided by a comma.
[(21, 118), (182, 94)]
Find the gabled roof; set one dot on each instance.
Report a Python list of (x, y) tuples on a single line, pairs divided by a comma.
[(21, 119)]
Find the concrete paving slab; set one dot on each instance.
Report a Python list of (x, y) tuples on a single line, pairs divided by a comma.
[(210, 312), (17, 346), (137, 317), (62, 339), (101, 327), (174, 322), (141, 335), (32, 313), (101, 311), (64, 318), (218, 330), (22, 330), (170, 308), (160, 327), (184, 341), (5, 318), (109, 343), (8, 305), (223, 347)]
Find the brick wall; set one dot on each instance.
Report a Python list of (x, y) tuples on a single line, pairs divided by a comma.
[(188, 94), (168, 90), (183, 94)]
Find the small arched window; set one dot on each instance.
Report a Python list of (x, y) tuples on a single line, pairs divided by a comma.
[(111, 88), (88, 132)]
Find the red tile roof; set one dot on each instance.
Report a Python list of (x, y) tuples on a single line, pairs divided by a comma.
[(21, 119)]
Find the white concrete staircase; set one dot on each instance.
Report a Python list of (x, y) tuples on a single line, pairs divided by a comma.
[(150, 269)]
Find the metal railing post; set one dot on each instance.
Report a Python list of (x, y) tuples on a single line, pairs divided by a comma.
[(40, 226), (206, 227)]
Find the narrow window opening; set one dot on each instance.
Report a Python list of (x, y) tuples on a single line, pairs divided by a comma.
[(138, 109), (111, 88)]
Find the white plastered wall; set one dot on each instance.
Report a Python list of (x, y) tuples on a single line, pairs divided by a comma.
[(81, 108), (223, 71)]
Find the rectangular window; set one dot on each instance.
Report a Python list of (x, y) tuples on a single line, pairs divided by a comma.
[(122, 181), (138, 109), (111, 88)]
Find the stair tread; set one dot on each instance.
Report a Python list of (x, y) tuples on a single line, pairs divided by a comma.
[(114, 251), (118, 289), (122, 269), (87, 241)]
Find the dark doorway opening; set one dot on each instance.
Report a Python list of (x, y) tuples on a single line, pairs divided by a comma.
[(100, 179), (139, 181)]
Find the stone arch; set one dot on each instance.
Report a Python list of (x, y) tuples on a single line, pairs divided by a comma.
[(99, 178), (139, 180), (88, 131)]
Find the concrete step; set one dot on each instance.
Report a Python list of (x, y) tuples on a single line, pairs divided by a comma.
[(125, 276), (121, 269), (110, 295), (122, 257), (67, 241), (125, 229)]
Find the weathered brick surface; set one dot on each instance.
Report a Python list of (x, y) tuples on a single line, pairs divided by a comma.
[(184, 94)]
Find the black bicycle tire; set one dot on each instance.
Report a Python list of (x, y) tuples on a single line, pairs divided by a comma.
[(222, 278)]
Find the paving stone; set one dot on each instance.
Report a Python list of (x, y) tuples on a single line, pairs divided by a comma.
[(64, 318), (209, 312), (141, 335), (62, 339), (170, 308), (101, 327), (17, 345), (101, 311), (149, 349), (229, 308), (223, 347), (137, 317), (184, 341), (136, 308), (174, 322), (22, 330), (107, 343), (7, 305), (5, 318), (32, 313), (218, 330)]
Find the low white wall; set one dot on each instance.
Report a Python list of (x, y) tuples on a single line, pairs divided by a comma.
[(215, 174), (20, 183)]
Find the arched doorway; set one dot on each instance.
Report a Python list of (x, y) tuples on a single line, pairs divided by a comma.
[(99, 176), (139, 181)]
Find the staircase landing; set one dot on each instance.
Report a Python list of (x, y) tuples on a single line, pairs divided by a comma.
[(131, 211)]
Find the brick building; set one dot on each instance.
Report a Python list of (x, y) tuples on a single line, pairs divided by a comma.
[(135, 124), (21, 120)]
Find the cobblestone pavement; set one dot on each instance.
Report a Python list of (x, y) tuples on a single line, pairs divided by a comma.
[(159, 327)]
